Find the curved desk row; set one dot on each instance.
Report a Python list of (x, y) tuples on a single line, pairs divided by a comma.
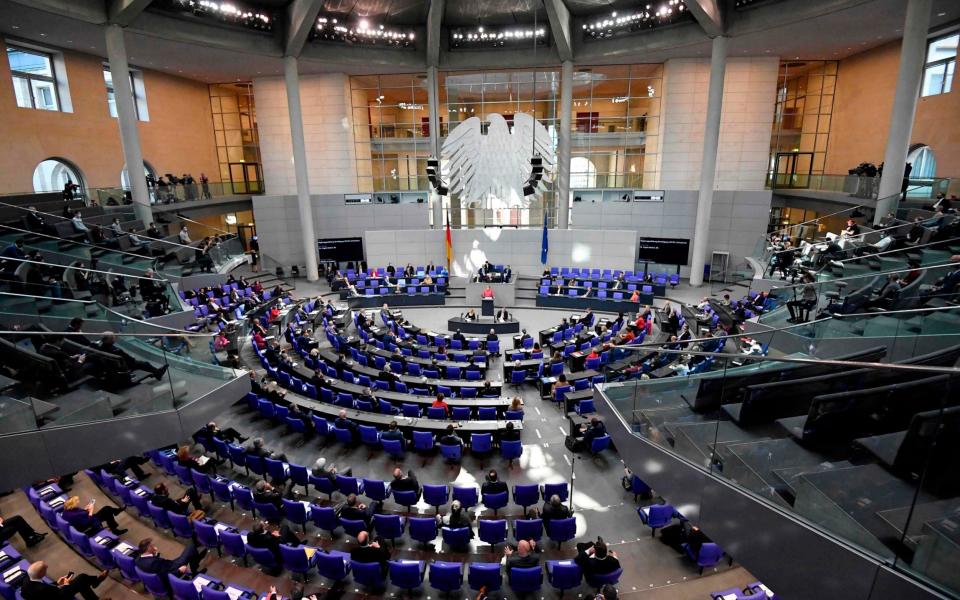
[(483, 325), (597, 304), (375, 300)]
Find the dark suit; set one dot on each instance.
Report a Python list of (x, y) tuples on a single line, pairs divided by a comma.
[(265, 539), (162, 566), (493, 487), (369, 554), (81, 584), (551, 512), (405, 484), (522, 562)]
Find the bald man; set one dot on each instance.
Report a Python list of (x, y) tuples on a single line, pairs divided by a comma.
[(524, 557), (370, 552), (35, 588)]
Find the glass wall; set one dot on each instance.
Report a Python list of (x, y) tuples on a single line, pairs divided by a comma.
[(616, 117), (235, 129), (391, 131), (801, 125)]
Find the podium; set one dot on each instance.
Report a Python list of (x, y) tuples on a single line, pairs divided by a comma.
[(486, 307)]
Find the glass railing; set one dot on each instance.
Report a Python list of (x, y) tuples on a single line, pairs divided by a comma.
[(863, 452), (856, 185), (56, 376), (175, 194)]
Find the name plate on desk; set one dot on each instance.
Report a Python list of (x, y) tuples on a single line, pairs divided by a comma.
[(12, 574)]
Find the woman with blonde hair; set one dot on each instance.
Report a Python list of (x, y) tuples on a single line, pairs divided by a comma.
[(517, 403), (85, 520)]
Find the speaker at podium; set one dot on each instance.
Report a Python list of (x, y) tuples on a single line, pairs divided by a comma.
[(486, 307)]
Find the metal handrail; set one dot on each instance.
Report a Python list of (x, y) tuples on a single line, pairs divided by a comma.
[(85, 244), (88, 269)]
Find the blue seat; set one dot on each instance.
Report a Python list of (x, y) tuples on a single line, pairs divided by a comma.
[(525, 580), (560, 489), (528, 529), (563, 574), (295, 559), (102, 554), (423, 529), (333, 564), (452, 453), (486, 413), (423, 440), (526, 495), (468, 496), (158, 515), (389, 526), (484, 575), (325, 518), (267, 511), (233, 544), (300, 476), (376, 489), (407, 574), (436, 412), (481, 443), (518, 376), (511, 450), (495, 501), (492, 531), (323, 485), (153, 583), (446, 576), (276, 470), (369, 435), (462, 413), (183, 589), (586, 406), (296, 512), (456, 537), (562, 530), (353, 527), (436, 495), (368, 575), (598, 580), (207, 535), (126, 564), (349, 485), (599, 444), (180, 525), (406, 498), (263, 557), (657, 516), (709, 555)]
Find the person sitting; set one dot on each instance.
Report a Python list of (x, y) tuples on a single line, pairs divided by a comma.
[(257, 448), (342, 422), (388, 376), (370, 552), (11, 526), (85, 520), (510, 433), (320, 470), (458, 518), (261, 536), (492, 484), (588, 318), (265, 493), (108, 344), (357, 511), (886, 295), (37, 588), (439, 402), (393, 433), (181, 506), (554, 509), (807, 300), (450, 438), (78, 224), (406, 483), (851, 230), (594, 558), (523, 558), (201, 465), (149, 560)]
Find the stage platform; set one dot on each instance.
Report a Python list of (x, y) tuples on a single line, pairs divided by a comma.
[(483, 325)]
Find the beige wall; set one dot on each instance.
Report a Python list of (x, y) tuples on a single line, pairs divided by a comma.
[(178, 137), (861, 119)]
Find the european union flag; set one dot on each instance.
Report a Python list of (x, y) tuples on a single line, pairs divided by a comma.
[(545, 246)]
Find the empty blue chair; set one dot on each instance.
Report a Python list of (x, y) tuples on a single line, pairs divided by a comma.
[(484, 575), (586, 406), (127, 566), (388, 526), (181, 525), (376, 489), (492, 531), (462, 413), (153, 583), (511, 450), (560, 489), (300, 476), (80, 542), (393, 448), (423, 529), (333, 564), (406, 498), (436, 495), (256, 464), (423, 440), (296, 512), (207, 535), (295, 559), (468, 496), (103, 555), (436, 412), (349, 485), (518, 376), (562, 530), (446, 576), (407, 574), (598, 580), (526, 495), (481, 443), (709, 555), (158, 515), (325, 518), (233, 544), (525, 580), (183, 474), (410, 410), (456, 537), (183, 589), (452, 453), (276, 470), (563, 574), (495, 501), (528, 529), (323, 485), (369, 435), (657, 516), (344, 436), (368, 575), (487, 413)]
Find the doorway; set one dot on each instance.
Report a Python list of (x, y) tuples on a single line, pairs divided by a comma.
[(792, 169), (245, 178)]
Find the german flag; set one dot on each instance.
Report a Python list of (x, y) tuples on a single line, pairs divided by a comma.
[(449, 245)]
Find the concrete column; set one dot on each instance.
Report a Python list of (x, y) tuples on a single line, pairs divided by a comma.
[(708, 164), (563, 145), (433, 105), (291, 76), (127, 120), (913, 49)]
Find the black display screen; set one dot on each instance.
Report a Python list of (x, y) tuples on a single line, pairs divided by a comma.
[(341, 249), (663, 251)]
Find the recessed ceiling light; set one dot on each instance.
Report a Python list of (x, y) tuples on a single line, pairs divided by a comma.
[(941, 14), (15, 26), (43, 35)]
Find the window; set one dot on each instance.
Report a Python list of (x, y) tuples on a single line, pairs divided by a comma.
[(53, 174), (940, 66), (139, 104), (923, 161), (34, 81)]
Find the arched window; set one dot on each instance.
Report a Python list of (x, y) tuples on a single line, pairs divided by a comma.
[(53, 174), (923, 161), (125, 177), (583, 174)]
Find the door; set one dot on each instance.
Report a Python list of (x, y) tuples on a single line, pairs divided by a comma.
[(245, 178), (792, 169)]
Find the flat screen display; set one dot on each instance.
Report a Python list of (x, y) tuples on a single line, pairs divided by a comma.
[(664, 251), (341, 249)]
